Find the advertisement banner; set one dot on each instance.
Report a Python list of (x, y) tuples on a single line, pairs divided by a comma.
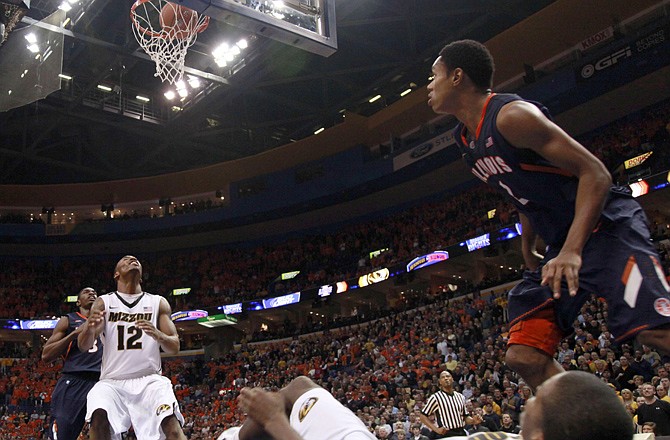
[(423, 150), (630, 163), (189, 315), (621, 55), (427, 260), (280, 301), (596, 39)]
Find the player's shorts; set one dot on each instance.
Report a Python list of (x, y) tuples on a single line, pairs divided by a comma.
[(317, 415), (68, 405), (538, 330), (142, 402), (619, 264)]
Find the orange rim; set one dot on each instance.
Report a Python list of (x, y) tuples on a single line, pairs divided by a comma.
[(164, 35)]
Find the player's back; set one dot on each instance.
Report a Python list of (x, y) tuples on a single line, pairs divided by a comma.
[(128, 351)]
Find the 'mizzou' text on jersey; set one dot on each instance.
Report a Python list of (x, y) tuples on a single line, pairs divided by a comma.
[(488, 166), (129, 317)]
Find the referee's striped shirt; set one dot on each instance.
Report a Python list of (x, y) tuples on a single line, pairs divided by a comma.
[(449, 409)]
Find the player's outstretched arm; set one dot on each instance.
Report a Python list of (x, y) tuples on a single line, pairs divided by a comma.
[(93, 326), (525, 126), (166, 333)]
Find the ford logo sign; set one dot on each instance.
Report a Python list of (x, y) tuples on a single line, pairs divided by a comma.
[(421, 150)]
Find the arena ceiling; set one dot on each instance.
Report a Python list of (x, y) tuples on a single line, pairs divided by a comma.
[(279, 94)]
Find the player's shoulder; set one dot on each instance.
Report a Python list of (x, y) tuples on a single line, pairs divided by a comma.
[(155, 297), (152, 295)]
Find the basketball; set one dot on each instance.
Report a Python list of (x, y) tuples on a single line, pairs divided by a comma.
[(176, 20)]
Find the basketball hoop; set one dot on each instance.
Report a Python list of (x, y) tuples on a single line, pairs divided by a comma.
[(166, 31)]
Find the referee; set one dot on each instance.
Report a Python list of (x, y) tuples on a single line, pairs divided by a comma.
[(449, 409)]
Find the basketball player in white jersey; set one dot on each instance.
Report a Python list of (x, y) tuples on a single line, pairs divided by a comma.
[(134, 326), (300, 411)]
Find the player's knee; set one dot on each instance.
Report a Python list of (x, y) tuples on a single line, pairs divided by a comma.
[(521, 358), (658, 338), (99, 418), (172, 429)]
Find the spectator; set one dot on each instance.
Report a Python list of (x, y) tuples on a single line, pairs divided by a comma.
[(508, 424), (654, 410)]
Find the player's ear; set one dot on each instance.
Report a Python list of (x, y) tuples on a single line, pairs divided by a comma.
[(457, 75)]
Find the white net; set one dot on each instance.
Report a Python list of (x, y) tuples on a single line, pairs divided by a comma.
[(166, 31)]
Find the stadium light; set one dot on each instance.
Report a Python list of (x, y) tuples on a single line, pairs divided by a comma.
[(194, 81)]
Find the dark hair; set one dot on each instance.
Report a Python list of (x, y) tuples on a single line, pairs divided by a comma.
[(473, 57), (83, 291), (584, 407)]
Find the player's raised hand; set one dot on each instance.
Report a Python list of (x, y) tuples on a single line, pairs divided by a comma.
[(95, 320), (564, 265)]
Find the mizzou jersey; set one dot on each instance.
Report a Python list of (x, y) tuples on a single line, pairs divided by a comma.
[(129, 352), (543, 192), (77, 361)]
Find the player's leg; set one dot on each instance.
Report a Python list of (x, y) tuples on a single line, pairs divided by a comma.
[(537, 325), (531, 347), (68, 427), (172, 428), (106, 411), (100, 429), (153, 409), (69, 404), (659, 338), (632, 281)]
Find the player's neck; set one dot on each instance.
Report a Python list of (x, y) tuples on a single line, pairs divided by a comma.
[(472, 111), (131, 286)]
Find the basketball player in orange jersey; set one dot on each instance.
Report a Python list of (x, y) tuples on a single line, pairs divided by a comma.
[(596, 234), (134, 326)]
